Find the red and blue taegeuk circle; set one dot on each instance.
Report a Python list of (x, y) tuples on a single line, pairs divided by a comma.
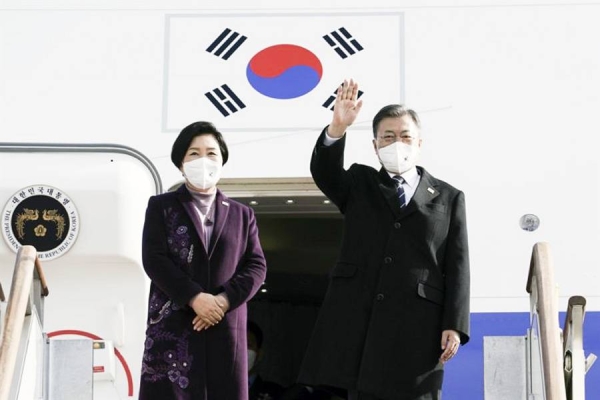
[(284, 71)]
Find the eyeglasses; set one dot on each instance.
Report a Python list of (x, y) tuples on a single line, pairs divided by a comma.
[(389, 138)]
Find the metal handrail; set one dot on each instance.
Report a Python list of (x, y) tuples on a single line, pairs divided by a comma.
[(574, 357), (541, 287), (17, 308), (84, 148)]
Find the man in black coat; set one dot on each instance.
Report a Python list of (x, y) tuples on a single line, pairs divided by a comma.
[(397, 306)]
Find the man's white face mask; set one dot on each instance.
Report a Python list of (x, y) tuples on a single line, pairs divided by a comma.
[(399, 157), (203, 172)]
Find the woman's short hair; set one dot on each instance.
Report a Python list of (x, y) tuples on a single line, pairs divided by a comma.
[(394, 111), (187, 135)]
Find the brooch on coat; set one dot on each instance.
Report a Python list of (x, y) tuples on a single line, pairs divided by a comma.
[(164, 311)]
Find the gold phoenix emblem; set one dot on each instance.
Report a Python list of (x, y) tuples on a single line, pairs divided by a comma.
[(53, 215), (40, 230), (27, 215)]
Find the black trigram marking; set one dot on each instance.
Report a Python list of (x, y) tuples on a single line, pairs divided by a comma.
[(228, 42), (343, 43), (331, 100), (225, 100)]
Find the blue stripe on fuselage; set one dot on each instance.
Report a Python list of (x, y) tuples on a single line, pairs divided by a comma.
[(463, 378)]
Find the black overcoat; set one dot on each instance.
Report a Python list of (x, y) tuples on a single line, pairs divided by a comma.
[(402, 277)]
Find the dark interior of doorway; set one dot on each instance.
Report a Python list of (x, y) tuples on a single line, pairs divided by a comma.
[(301, 247)]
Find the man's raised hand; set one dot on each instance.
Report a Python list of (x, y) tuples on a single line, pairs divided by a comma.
[(346, 108)]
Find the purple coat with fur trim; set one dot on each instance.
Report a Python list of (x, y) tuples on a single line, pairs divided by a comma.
[(180, 363)]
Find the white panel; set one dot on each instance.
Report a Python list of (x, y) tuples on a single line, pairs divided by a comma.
[(69, 372), (102, 272), (507, 95), (511, 91), (505, 372)]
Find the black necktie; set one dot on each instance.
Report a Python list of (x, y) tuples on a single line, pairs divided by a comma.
[(400, 190)]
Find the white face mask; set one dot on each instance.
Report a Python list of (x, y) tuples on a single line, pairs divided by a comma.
[(399, 157), (251, 359), (203, 172)]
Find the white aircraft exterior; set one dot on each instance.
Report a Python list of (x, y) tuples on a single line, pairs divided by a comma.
[(507, 92)]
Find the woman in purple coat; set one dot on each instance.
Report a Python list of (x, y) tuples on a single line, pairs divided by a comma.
[(202, 253)]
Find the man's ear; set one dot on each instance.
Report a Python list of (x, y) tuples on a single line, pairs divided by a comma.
[(375, 145)]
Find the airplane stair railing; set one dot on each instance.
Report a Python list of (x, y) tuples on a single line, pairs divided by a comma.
[(22, 325), (575, 363), (547, 363), (544, 344), (32, 366)]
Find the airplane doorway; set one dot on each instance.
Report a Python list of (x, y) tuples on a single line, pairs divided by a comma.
[(300, 232)]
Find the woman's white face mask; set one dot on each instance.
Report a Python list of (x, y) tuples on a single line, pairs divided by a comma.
[(399, 157), (202, 172)]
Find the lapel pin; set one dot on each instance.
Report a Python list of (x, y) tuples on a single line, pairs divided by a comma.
[(225, 203), (430, 190)]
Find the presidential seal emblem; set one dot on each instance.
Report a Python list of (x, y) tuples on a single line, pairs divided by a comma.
[(41, 216)]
